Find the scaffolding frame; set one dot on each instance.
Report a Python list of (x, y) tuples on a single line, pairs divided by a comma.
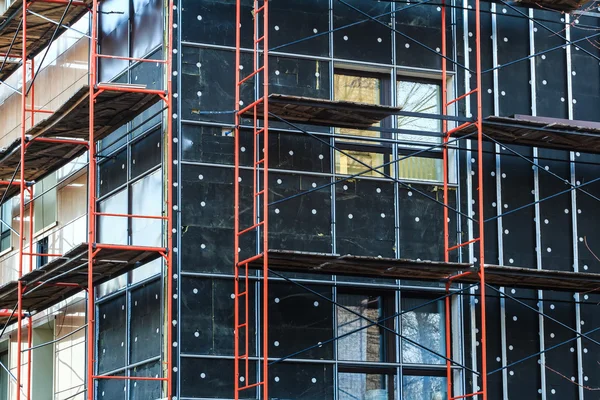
[(476, 276), (26, 196)]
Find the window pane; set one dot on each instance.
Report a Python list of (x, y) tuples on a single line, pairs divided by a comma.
[(421, 168), (369, 343), (45, 206), (363, 386), (146, 199), (425, 326), (360, 89), (113, 230), (419, 97), (423, 388)]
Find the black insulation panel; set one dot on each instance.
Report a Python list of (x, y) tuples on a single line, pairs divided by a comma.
[(112, 334), (550, 68), (518, 228), (207, 317), (513, 44), (365, 41)]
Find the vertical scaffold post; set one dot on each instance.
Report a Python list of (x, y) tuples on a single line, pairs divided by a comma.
[(22, 189), (91, 306), (480, 215), (260, 194)]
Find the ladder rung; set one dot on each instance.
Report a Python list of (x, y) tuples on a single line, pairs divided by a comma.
[(259, 193), (458, 246), (250, 386), (259, 10), (250, 259), (242, 294), (260, 39), (251, 105), (258, 71), (244, 325), (258, 132), (251, 228), (261, 161)]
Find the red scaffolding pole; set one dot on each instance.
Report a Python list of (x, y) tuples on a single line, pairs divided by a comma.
[(483, 392), (93, 247), (260, 202), (28, 109)]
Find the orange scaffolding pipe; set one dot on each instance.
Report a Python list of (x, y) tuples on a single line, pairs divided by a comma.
[(480, 239), (260, 203), (28, 109)]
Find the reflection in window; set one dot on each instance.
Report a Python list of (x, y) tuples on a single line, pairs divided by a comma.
[(371, 343), (6, 215), (423, 325), (423, 388), (351, 166), (365, 386), (360, 155), (359, 89), (419, 97)]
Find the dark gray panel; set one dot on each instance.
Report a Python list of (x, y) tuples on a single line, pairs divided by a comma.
[(585, 70), (213, 22), (551, 68), (522, 340), (555, 212), (109, 389), (146, 153), (513, 44), (301, 223), (301, 381), (207, 218), (299, 319), (113, 172), (518, 236), (365, 41), (422, 23), (365, 219), (208, 83), (142, 389), (293, 21), (112, 334), (562, 359), (213, 378), (207, 320), (145, 335)]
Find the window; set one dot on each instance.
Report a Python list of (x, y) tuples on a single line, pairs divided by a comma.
[(364, 151), (419, 96), (362, 154), (5, 234), (370, 345), (419, 387), (45, 194), (42, 248), (423, 324), (4, 379)]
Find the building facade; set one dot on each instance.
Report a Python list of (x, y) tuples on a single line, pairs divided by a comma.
[(373, 192)]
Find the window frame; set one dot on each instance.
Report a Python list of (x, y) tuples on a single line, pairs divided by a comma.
[(354, 143), (386, 367)]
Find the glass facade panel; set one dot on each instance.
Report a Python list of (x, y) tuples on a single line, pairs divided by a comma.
[(425, 326), (366, 386), (423, 388), (363, 339)]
